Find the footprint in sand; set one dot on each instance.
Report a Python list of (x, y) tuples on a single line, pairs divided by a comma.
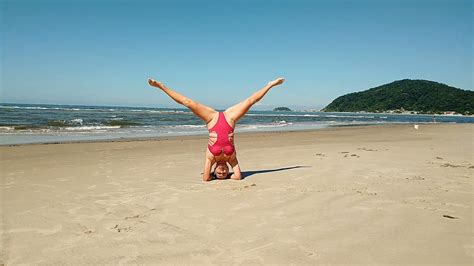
[(346, 154), (122, 228), (425, 203), (416, 177), (468, 166), (451, 165), (450, 217), (246, 186), (313, 255), (129, 222), (365, 192), (135, 216), (365, 149)]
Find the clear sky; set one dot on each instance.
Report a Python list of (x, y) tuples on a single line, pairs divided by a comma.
[(219, 52)]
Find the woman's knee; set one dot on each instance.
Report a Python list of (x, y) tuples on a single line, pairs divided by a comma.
[(252, 100), (187, 102)]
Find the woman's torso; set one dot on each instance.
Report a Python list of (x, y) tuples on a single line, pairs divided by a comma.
[(221, 137)]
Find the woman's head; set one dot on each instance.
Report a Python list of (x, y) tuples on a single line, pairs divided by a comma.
[(221, 171)]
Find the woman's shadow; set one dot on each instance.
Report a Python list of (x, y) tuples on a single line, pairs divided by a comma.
[(246, 174)]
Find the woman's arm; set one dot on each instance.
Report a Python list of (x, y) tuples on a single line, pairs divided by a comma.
[(206, 176), (234, 163)]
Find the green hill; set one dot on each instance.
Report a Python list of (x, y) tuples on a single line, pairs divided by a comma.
[(282, 109), (423, 96)]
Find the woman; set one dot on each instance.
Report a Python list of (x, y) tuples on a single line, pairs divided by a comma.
[(221, 150)]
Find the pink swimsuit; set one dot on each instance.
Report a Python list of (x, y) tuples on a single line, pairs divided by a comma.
[(223, 144)]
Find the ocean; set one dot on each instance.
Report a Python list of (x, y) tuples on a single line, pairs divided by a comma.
[(33, 123)]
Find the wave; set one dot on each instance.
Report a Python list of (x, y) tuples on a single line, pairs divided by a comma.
[(46, 108), (78, 122), (63, 123), (160, 111), (24, 127), (26, 107), (186, 126), (90, 128), (121, 123), (41, 130), (348, 116), (97, 109), (271, 125)]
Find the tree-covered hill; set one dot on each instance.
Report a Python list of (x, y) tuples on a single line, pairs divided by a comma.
[(423, 96), (282, 109)]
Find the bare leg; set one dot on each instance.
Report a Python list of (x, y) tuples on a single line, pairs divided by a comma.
[(204, 112), (235, 112)]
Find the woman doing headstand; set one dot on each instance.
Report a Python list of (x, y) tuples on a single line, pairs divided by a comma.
[(221, 150)]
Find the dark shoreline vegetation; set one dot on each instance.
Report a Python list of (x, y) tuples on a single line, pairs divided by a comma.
[(407, 96)]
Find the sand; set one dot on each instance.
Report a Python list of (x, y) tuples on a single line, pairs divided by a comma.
[(356, 195)]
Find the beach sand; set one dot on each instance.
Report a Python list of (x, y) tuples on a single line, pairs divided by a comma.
[(357, 195)]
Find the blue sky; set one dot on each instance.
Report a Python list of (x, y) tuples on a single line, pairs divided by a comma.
[(219, 52)]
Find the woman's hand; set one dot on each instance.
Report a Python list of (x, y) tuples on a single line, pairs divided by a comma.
[(276, 82)]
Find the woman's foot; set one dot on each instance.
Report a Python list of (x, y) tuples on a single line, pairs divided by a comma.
[(155, 83), (276, 82)]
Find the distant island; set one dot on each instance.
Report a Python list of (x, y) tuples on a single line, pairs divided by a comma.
[(407, 96), (282, 109)]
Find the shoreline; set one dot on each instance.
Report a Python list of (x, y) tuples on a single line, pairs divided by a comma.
[(68, 124), (200, 136)]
